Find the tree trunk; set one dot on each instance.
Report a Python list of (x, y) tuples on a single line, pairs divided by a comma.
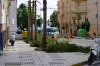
[(44, 24)]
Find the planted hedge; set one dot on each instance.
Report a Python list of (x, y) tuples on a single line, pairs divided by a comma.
[(54, 46)]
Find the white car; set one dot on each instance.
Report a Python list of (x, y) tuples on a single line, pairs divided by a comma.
[(56, 32)]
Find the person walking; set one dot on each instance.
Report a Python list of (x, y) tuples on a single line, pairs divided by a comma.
[(94, 34), (12, 38)]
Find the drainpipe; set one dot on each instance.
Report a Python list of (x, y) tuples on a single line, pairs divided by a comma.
[(97, 18)]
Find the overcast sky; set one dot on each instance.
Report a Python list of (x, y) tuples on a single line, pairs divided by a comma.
[(50, 4)]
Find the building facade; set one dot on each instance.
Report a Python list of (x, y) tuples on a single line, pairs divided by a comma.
[(4, 10), (5, 17), (71, 13), (93, 14), (12, 18)]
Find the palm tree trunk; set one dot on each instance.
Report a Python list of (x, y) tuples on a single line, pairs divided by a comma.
[(44, 24)]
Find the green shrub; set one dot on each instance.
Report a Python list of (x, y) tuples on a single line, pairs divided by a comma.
[(84, 49), (35, 43), (72, 48), (65, 47), (75, 48), (26, 40), (54, 46)]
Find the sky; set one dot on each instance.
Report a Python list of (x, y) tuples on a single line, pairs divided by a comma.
[(50, 4)]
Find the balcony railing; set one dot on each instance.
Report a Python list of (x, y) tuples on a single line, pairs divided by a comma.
[(79, 0), (79, 9)]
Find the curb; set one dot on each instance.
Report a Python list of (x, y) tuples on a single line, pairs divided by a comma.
[(80, 64)]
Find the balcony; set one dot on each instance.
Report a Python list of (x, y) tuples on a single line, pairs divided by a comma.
[(80, 0), (79, 9)]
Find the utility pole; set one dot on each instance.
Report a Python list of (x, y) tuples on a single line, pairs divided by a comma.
[(44, 23), (29, 18), (97, 17), (35, 21)]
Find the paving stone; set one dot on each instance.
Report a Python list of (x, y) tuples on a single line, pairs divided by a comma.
[(59, 59), (27, 63), (13, 64), (56, 63), (2, 64), (27, 56)]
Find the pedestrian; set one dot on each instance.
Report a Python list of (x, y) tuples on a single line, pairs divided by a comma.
[(94, 34), (12, 38)]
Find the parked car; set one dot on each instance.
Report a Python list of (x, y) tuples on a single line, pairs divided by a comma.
[(49, 31), (55, 30), (40, 31)]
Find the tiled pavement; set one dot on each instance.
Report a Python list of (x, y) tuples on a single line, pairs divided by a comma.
[(79, 42), (21, 54)]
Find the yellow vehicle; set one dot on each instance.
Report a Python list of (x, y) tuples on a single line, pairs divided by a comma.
[(24, 34)]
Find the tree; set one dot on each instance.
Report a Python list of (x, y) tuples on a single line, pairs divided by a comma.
[(78, 20), (22, 17), (39, 21), (74, 23), (86, 25), (53, 19), (83, 25), (44, 41)]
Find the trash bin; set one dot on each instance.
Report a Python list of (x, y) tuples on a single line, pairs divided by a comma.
[(81, 33)]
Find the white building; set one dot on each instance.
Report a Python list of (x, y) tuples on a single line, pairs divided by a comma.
[(7, 20), (13, 16), (4, 10)]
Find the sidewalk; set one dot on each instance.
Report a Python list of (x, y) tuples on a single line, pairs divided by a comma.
[(79, 42), (21, 54)]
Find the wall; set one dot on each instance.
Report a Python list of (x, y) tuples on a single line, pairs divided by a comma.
[(92, 11), (3, 23), (68, 9), (13, 17), (0, 12)]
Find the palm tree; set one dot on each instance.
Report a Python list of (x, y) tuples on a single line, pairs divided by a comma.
[(78, 20), (74, 23), (44, 24)]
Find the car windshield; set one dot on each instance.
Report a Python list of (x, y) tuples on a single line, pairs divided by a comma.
[(49, 30)]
